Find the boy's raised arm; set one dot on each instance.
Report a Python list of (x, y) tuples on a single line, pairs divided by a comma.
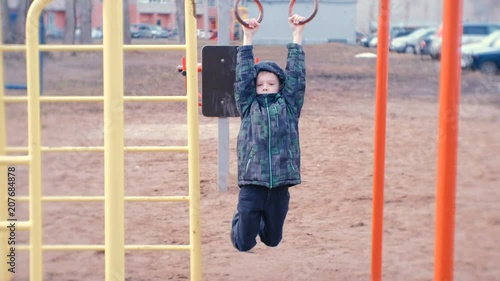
[(244, 86), (295, 85)]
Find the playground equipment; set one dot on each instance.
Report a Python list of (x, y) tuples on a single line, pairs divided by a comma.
[(182, 69), (10, 86), (447, 142), (113, 148), (261, 12)]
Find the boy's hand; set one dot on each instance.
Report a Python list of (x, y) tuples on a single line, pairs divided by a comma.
[(294, 23), (297, 28), (248, 32), (253, 27)]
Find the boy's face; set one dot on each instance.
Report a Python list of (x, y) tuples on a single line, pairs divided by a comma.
[(267, 83)]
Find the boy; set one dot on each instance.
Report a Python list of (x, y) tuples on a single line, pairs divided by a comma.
[(269, 102)]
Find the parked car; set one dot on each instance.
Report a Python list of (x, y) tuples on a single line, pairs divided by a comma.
[(141, 30), (479, 56), (373, 42), (359, 36), (204, 34), (490, 43), (425, 44), (158, 32), (97, 33), (172, 32), (400, 32), (54, 33), (472, 33), (486, 62), (365, 41), (410, 43)]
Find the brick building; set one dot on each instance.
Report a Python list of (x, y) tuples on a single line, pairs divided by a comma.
[(155, 12)]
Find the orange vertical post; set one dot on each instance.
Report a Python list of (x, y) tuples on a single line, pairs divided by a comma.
[(379, 141), (448, 140)]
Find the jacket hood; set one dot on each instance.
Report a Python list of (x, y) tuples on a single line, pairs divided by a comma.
[(270, 66)]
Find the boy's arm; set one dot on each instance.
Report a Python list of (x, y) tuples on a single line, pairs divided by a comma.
[(244, 86), (295, 84)]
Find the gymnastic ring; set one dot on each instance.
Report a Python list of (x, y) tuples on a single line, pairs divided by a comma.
[(290, 11), (240, 20)]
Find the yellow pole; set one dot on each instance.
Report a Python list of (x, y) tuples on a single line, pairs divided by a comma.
[(114, 224), (4, 246), (193, 141), (34, 138)]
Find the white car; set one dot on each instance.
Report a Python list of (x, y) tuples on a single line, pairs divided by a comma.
[(488, 44), (410, 43), (472, 33)]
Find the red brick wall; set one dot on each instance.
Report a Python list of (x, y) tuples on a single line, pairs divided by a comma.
[(132, 10), (96, 15), (59, 19)]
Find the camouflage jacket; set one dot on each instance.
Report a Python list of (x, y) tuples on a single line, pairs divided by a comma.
[(268, 141)]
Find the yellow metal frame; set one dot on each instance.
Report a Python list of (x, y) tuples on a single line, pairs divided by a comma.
[(113, 148)]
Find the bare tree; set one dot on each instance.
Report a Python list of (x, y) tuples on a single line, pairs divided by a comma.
[(19, 29), (85, 8), (70, 22), (180, 19), (126, 24), (6, 28)]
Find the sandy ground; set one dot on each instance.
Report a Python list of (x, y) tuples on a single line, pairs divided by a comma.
[(328, 229)]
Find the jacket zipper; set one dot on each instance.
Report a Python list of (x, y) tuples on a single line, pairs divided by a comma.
[(269, 146)]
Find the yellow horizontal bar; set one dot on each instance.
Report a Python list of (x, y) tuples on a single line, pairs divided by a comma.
[(156, 47), (20, 225), (101, 198), (66, 48), (156, 98), (57, 99), (98, 99), (14, 160), (101, 247), (12, 48), (91, 48), (18, 149), (156, 149), (158, 247)]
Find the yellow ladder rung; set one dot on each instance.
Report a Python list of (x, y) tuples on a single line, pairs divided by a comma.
[(93, 48), (101, 198), (20, 225), (101, 247), (14, 160), (11, 99), (19, 149)]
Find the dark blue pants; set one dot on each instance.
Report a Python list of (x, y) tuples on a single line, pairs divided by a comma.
[(261, 211)]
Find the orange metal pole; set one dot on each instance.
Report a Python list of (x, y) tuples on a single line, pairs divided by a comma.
[(379, 142), (448, 139)]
